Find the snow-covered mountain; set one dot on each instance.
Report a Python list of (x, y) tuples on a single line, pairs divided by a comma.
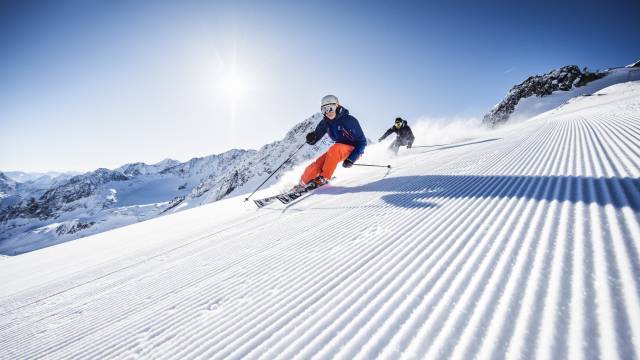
[(541, 93), (10, 192), (104, 199), (519, 243), (253, 170), (140, 168), (7, 185), (100, 200), (24, 177)]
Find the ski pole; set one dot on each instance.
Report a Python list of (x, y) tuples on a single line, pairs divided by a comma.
[(275, 171), (383, 166), (426, 146)]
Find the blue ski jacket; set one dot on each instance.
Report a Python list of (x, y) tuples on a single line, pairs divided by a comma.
[(344, 129)]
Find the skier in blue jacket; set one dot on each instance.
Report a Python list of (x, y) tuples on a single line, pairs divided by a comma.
[(349, 139)]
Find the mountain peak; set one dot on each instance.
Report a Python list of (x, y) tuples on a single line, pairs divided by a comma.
[(635, 64), (562, 79)]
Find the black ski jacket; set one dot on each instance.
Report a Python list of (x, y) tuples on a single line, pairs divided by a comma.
[(405, 135)]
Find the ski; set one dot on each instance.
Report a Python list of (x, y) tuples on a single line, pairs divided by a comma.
[(292, 195), (286, 197), (264, 202)]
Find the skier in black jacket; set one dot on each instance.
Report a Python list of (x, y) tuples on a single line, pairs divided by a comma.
[(405, 135)]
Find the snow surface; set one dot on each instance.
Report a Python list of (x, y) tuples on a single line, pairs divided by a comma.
[(522, 242)]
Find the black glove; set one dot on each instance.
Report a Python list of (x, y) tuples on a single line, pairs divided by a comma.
[(408, 146), (379, 140), (347, 163), (312, 139)]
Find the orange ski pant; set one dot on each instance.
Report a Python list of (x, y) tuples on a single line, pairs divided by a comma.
[(326, 164)]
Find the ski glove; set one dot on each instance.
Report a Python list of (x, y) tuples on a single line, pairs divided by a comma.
[(312, 139), (408, 146), (347, 163), (379, 140)]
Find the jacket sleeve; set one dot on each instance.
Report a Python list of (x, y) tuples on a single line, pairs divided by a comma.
[(321, 129), (411, 137), (360, 141), (387, 133)]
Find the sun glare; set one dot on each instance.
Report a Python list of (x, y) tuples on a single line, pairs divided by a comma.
[(233, 78), (234, 84)]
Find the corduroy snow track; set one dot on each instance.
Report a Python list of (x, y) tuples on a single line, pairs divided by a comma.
[(522, 244)]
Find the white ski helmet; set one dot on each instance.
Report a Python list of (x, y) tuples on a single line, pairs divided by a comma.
[(329, 99), (329, 103)]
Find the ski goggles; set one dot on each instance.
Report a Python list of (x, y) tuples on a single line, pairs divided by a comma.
[(398, 124), (327, 108)]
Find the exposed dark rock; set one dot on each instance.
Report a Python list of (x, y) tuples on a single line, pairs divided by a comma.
[(66, 229), (563, 79)]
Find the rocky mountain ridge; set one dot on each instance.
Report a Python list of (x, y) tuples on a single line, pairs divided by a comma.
[(563, 79)]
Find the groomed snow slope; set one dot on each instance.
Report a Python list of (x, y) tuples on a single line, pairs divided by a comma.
[(524, 243)]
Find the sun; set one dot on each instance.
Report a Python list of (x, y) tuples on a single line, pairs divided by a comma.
[(233, 77), (234, 83), (232, 80)]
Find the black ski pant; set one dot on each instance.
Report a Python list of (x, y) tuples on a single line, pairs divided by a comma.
[(395, 145)]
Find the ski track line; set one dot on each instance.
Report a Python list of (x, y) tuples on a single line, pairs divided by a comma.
[(621, 144), (440, 266), (526, 309), (582, 266), (554, 343)]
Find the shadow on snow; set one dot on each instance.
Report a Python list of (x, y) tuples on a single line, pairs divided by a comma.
[(424, 191)]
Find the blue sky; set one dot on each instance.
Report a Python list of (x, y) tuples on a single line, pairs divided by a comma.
[(88, 84)]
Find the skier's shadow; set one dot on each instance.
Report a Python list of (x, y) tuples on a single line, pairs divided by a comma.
[(428, 191)]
